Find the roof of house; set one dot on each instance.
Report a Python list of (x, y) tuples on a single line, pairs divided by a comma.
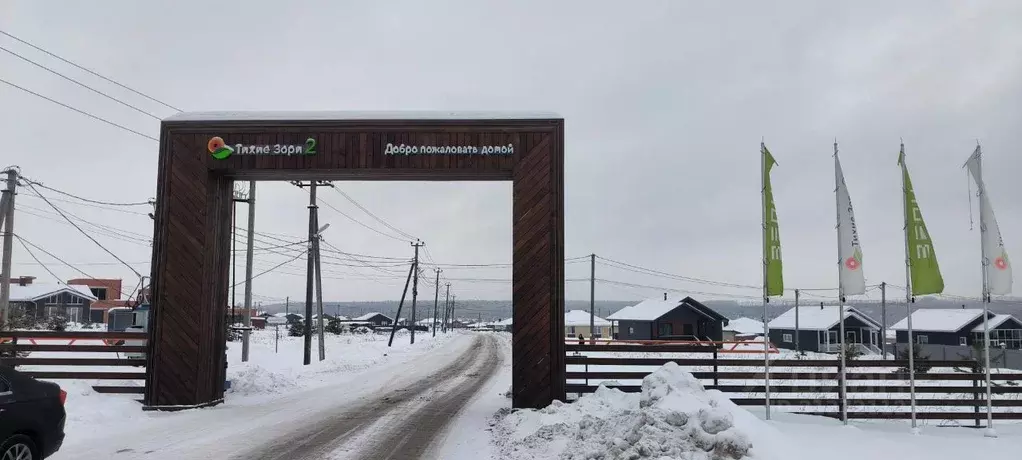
[(818, 318), (369, 316), (581, 318), (33, 292), (504, 322), (940, 319), (994, 321), (651, 309), (744, 326), (622, 313)]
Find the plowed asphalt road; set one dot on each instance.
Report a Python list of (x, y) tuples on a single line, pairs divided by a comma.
[(399, 424)]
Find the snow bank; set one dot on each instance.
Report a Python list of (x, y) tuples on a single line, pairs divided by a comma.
[(673, 418), (249, 379)]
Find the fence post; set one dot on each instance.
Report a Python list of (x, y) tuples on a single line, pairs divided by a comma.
[(716, 381), (842, 402), (975, 394)]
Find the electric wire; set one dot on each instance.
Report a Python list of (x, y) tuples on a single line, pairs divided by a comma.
[(83, 85), (90, 115), (83, 232), (25, 42)]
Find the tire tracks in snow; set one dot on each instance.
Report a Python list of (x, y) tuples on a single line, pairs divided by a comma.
[(413, 436), (407, 437)]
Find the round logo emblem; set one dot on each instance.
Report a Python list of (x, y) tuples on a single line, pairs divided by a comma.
[(218, 148), (852, 264), (1000, 263)]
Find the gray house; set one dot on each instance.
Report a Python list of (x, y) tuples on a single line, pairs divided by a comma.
[(376, 319), (668, 319), (817, 329), (42, 301), (964, 327)]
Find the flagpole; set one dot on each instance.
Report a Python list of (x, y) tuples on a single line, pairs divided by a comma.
[(908, 292), (766, 297), (840, 291), (983, 219)]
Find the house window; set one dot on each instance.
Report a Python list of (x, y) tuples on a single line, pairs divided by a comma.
[(786, 338), (631, 330), (571, 329), (962, 341), (53, 300), (99, 292), (74, 300), (922, 339), (666, 329)]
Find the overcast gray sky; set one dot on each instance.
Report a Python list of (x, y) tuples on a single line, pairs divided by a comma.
[(665, 105)]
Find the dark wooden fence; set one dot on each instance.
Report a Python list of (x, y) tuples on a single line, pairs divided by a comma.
[(14, 345), (874, 388)]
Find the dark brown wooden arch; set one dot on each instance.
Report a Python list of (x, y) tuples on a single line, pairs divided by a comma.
[(186, 360)]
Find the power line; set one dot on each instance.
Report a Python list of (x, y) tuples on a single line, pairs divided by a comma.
[(327, 204), (374, 216), (92, 72), (87, 200), (55, 208), (95, 117), (660, 288), (41, 264), (272, 269), (83, 85), (126, 295), (649, 271), (96, 206)]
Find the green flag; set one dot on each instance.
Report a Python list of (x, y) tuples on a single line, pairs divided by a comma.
[(772, 277), (922, 260)]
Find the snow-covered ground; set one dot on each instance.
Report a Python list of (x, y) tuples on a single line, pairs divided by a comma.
[(273, 390), (355, 364), (675, 418)]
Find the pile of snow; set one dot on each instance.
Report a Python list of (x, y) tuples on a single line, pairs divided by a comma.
[(673, 418), (249, 379)]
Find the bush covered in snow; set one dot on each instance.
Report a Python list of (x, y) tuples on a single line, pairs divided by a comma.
[(673, 418)]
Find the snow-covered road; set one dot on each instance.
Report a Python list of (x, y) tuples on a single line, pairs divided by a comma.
[(390, 399)]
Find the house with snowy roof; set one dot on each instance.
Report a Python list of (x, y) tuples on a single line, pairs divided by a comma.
[(375, 318), (964, 327), (742, 329), (669, 319), (45, 300), (576, 322), (818, 329)]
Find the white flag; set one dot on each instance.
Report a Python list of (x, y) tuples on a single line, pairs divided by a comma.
[(851, 279), (995, 258)]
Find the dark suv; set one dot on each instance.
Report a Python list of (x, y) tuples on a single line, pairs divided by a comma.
[(31, 416)]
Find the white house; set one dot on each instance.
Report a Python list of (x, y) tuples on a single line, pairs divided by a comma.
[(576, 322)]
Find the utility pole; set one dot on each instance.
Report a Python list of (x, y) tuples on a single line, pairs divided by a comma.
[(247, 316), (319, 285), (454, 300), (415, 285), (592, 299), (239, 195), (312, 275), (436, 300), (287, 306), (309, 274), (447, 307), (8, 226), (393, 327), (883, 319)]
